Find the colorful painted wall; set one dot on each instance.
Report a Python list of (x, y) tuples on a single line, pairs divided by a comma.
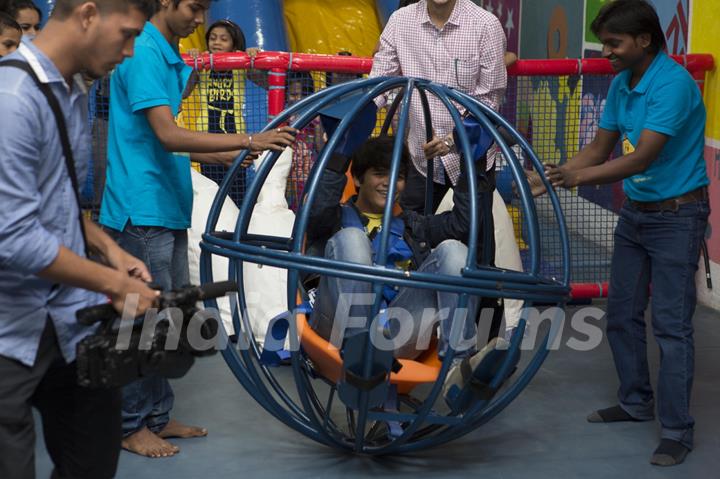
[(561, 114), (550, 108), (705, 38)]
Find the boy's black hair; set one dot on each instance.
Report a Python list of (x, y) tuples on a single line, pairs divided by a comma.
[(63, 8), (6, 21), (378, 153), (236, 33), (631, 17), (16, 5)]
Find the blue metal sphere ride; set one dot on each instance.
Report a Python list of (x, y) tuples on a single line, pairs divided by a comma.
[(318, 405)]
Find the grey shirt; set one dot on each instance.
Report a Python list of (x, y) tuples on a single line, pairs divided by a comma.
[(38, 210)]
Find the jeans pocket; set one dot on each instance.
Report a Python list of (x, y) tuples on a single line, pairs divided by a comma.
[(144, 232)]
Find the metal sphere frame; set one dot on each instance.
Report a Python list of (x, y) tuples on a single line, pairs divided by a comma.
[(423, 426)]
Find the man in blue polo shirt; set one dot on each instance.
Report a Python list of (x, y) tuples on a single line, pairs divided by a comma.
[(655, 108), (147, 203)]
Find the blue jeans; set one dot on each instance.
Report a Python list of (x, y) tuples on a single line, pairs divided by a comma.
[(411, 316), (148, 401), (662, 249)]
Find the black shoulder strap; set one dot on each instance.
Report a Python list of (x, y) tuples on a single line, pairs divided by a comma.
[(62, 128)]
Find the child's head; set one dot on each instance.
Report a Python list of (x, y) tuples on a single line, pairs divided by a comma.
[(370, 170), (629, 31), (299, 85), (10, 34), (334, 78), (225, 36), (182, 17), (27, 15)]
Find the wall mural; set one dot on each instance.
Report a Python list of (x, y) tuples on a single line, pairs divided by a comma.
[(674, 16), (560, 115), (508, 12)]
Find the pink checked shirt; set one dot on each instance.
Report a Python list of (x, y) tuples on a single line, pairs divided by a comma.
[(467, 54)]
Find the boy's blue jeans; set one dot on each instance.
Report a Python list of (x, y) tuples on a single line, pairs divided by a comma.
[(344, 306), (148, 401), (662, 249)]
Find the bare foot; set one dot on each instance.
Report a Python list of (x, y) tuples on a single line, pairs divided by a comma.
[(177, 429), (145, 443), (537, 187)]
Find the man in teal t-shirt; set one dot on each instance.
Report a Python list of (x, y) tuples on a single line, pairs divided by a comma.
[(147, 203), (655, 109)]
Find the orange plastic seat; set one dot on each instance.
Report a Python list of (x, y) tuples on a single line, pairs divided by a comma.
[(326, 357), (327, 361)]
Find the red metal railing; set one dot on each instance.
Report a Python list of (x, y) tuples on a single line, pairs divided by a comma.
[(279, 63)]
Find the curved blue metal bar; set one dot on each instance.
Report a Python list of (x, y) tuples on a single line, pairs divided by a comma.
[(424, 410), (517, 170), (310, 416), (234, 362), (365, 273), (381, 254)]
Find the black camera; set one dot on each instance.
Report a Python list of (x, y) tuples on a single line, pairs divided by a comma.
[(163, 342)]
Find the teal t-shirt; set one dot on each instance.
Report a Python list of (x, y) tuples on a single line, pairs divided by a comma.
[(146, 184), (667, 101)]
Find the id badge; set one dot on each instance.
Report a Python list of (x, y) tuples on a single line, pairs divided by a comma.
[(627, 146)]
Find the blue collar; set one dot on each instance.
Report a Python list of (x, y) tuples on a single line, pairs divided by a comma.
[(45, 69), (657, 64), (170, 52)]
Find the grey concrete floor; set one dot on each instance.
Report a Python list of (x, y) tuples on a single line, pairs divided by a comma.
[(542, 434)]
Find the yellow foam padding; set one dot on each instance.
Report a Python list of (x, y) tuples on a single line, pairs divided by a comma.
[(517, 226), (191, 106), (196, 40), (705, 38), (330, 26)]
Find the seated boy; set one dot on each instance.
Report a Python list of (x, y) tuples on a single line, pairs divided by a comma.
[(432, 244)]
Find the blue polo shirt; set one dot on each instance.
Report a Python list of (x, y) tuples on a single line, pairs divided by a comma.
[(146, 184), (667, 101)]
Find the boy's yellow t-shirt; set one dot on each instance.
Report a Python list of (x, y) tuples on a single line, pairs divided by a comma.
[(375, 223)]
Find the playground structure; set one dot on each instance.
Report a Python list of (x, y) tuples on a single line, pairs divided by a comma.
[(360, 401), (555, 104)]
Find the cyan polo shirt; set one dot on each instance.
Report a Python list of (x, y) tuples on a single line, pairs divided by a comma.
[(146, 184), (667, 101)]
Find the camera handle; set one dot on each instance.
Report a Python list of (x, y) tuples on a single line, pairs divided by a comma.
[(192, 294)]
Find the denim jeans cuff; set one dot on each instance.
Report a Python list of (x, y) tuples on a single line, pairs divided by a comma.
[(158, 423), (641, 413), (683, 436)]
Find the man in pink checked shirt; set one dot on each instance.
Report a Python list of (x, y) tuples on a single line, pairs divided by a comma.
[(453, 42)]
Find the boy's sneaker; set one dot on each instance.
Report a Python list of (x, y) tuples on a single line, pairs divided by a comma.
[(469, 380)]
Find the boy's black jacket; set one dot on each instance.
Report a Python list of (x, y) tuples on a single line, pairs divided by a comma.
[(422, 232)]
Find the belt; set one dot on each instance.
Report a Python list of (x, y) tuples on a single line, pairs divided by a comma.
[(671, 204)]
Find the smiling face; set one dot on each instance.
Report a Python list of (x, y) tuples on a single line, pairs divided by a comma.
[(624, 50), (184, 18), (110, 39), (29, 21), (220, 40), (9, 40), (373, 189)]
